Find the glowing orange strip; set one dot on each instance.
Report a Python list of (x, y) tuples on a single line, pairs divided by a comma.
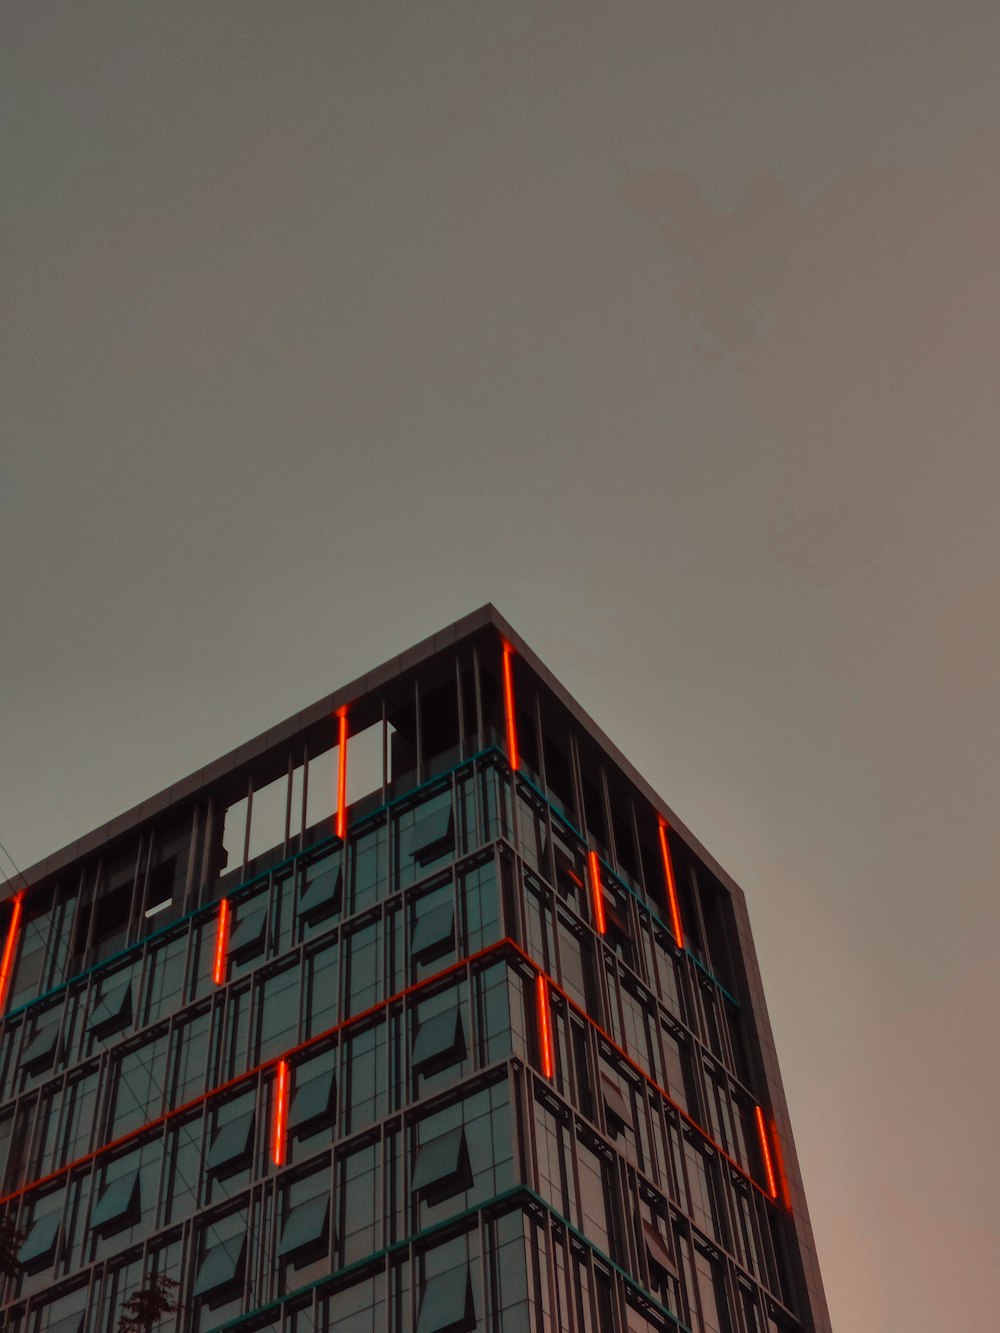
[(280, 1115), (597, 892), (342, 777), (10, 947), (765, 1149), (668, 870), (779, 1164), (221, 943), (544, 1025), (508, 705)]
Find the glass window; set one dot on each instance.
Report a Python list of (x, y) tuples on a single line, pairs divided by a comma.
[(617, 1105), (221, 1270), (165, 977), (305, 1230), (365, 1076), (249, 929), (138, 1096), (357, 1308), (481, 904), (183, 1167), (446, 1305), (41, 1041), (314, 1100), (712, 1293), (440, 1040), (360, 1201), (321, 886), (369, 866), (112, 1007), (79, 1113), (278, 1013), (425, 835), (42, 1235), (64, 1314), (593, 1220), (433, 832), (190, 1040), (119, 1203), (322, 970), (231, 1145), (442, 1166), (364, 980), (434, 926)]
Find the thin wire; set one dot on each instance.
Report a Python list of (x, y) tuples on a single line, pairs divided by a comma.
[(15, 865)]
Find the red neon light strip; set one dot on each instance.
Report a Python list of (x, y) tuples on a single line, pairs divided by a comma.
[(597, 893), (545, 1025), (10, 947), (779, 1167), (221, 943), (765, 1149), (668, 870), (342, 777), (279, 1136), (508, 706)]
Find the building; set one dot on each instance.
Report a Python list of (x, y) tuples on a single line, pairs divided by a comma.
[(421, 1012)]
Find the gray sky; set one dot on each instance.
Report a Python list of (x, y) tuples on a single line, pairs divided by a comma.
[(672, 329)]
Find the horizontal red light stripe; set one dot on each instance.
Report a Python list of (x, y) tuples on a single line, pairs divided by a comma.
[(668, 871), (597, 893), (503, 945), (342, 776), (544, 1025), (643, 1074), (10, 947), (765, 1149), (278, 1139), (221, 943), (499, 946), (508, 705)]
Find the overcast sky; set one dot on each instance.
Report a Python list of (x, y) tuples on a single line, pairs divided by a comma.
[(673, 330)]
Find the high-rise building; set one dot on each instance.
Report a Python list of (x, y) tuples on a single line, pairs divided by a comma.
[(420, 1012)]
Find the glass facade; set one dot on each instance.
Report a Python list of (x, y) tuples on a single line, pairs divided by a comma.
[(494, 1059)]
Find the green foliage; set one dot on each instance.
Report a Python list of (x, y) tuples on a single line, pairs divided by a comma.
[(11, 1240), (146, 1307)]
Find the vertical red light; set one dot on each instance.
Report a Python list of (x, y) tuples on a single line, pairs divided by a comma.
[(765, 1148), (280, 1125), (545, 1026), (779, 1167), (221, 943), (668, 871), (10, 947), (508, 705), (342, 776), (597, 892)]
